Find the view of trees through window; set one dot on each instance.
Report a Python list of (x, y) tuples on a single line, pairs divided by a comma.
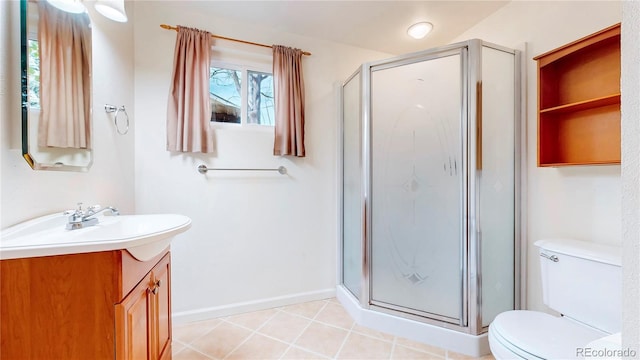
[(224, 94), (260, 98), (229, 98), (33, 74)]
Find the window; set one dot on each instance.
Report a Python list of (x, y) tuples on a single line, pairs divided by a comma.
[(239, 101)]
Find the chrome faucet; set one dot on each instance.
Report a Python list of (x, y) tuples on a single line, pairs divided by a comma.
[(79, 218)]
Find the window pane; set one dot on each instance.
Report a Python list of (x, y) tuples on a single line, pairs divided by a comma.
[(260, 98), (224, 94)]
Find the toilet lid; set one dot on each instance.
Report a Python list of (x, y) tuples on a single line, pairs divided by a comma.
[(543, 335)]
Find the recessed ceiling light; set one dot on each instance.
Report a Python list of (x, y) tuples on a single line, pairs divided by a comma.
[(419, 30)]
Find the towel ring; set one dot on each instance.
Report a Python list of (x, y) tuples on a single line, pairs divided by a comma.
[(117, 110)]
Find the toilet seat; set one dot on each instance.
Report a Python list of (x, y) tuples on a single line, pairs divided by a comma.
[(501, 349), (536, 335)]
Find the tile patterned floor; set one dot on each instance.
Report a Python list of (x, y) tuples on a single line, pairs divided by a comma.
[(312, 330)]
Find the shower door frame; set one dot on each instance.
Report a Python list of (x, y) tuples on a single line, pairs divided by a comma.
[(462, 51), (470, 266)]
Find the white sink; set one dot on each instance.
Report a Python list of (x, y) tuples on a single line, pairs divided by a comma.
[(144, 236)]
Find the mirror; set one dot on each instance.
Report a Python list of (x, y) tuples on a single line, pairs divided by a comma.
[(56, 87)]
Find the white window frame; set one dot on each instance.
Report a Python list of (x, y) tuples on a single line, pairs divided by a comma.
[(244, 94)]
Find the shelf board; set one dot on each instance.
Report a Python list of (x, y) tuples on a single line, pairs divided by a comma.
[(562, 164), (583, 105)]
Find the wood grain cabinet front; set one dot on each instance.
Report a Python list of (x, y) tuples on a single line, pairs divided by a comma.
[(143, 318), (103, 305)]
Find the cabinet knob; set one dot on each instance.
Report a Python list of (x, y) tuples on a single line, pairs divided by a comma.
[(156, 285)]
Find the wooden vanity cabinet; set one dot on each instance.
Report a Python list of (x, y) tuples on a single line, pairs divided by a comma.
[(103, 305)]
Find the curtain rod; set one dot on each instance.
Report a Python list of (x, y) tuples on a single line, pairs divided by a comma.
[(169, 27)]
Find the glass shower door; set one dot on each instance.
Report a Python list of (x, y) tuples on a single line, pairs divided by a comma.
[(352, 191), (417, 186)]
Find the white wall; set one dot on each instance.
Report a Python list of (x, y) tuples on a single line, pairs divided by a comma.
[(631, 173), (256, 238), (577, 202), (27, 193)]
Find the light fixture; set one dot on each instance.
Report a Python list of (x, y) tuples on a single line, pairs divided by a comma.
[(112, 9), (70, 6), (419, 30)]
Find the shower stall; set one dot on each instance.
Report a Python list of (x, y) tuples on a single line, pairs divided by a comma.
[(430, 193)]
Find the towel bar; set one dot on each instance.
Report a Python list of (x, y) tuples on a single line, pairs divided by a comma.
[(202, 169)]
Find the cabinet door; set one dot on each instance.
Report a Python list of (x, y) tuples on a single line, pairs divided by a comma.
[(132, 323), (162, 309)]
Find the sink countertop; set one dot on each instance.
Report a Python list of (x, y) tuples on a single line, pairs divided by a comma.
[(142, 235)]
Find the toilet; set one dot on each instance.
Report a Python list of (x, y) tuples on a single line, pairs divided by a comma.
[(580, 280)]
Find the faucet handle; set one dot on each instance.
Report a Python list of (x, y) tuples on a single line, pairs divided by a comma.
[(75, 214), (93, 209)]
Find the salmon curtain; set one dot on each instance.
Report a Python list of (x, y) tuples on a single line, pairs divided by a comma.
[(288, 88), (64, 43), (189, 108)]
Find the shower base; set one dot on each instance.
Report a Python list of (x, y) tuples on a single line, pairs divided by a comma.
[(472, 345)]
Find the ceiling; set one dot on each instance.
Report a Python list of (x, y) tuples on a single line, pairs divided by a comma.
[(375, 25)]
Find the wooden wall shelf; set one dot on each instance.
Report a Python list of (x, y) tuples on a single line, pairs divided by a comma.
[(584, 105), (579, 101)]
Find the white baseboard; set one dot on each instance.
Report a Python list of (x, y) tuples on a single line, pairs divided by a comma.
[(183, 317)]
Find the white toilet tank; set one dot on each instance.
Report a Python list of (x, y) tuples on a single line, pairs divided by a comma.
[(583, 281)]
